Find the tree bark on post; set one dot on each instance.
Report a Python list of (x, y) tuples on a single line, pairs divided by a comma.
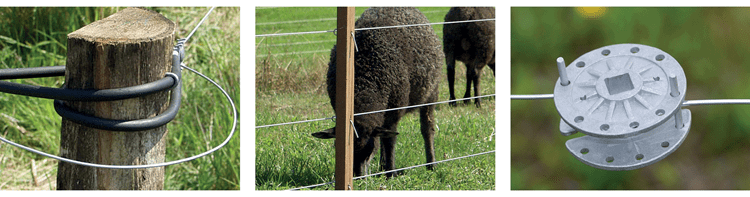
[(130, 47)]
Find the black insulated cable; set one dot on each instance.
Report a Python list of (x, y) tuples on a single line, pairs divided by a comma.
[(23, 73), (129, 125), (89, 95)]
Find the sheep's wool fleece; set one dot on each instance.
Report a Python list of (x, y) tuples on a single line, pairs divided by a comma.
[(394, 67)]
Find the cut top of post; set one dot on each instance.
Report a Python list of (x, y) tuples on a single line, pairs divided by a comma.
[(131, 25)]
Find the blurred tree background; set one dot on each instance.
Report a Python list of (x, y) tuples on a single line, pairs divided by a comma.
[(711, 44)]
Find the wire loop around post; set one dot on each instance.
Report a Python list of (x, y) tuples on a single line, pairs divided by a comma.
[(229, 137)]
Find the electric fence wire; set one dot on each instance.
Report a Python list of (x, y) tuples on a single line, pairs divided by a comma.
[(396, 170), (371, 28), (372, 112), (199, 24)]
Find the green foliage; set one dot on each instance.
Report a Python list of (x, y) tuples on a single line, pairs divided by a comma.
[(291, 87), (33, 37), (709, 43)]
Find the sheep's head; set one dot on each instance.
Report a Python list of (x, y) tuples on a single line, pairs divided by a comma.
[(364, 145)]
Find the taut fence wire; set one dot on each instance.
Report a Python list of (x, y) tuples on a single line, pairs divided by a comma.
[(372, 112), (396, 170), (684, 103), (371, 28)]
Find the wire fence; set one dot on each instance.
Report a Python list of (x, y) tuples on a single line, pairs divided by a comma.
[(363, 113), (373, 28), (372, 112), (396, 170)]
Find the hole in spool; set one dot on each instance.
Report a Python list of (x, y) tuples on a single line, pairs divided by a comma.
[(634, 50), (580, 64), (604, 127), (584, 151), (610, 159), (659, 57), (639, 156), (665, 144), (605, 52), (659, 112), (578, 119), (657, 78), (634, 125)]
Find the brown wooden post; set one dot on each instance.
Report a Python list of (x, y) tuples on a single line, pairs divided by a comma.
[(130, 47), (345, 97)]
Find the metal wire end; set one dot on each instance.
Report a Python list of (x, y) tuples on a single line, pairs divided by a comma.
[(355, 128), (355, 42)]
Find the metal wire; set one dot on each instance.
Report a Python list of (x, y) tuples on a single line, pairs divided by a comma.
[(294, 33), (199, 24), (684, 103), (371, 28), (413, 25), (229, 137), (532, 96), (421, 105), (396, 170), (716, 102), (372, 112), (296, 122)]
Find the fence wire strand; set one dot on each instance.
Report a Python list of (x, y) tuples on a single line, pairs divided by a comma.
[(372, 112), (199, 24), (396, 170), (684, 103), (371, 28)]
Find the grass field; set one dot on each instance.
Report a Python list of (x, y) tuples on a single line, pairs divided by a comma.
[(290, 86), (33, 37)]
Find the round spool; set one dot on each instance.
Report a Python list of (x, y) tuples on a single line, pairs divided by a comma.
[(619, 95)]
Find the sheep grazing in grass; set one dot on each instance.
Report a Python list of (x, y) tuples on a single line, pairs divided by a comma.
[(394, 67), (472, 43)]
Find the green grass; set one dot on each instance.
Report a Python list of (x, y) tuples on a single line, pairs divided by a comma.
[(33, 37), (291, 87)]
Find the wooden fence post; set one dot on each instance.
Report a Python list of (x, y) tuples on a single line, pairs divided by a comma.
[(345, 97), (130, 47)]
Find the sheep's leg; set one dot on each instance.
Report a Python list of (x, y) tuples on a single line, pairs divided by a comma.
[(470, 76), (477, 72), (387, 154), (427, 121), (388, 144), (451, 65)]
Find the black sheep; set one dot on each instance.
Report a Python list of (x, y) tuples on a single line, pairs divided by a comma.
[(394, 67), (472, 43)]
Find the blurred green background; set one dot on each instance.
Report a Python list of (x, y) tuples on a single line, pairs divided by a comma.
[(711, 45)]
